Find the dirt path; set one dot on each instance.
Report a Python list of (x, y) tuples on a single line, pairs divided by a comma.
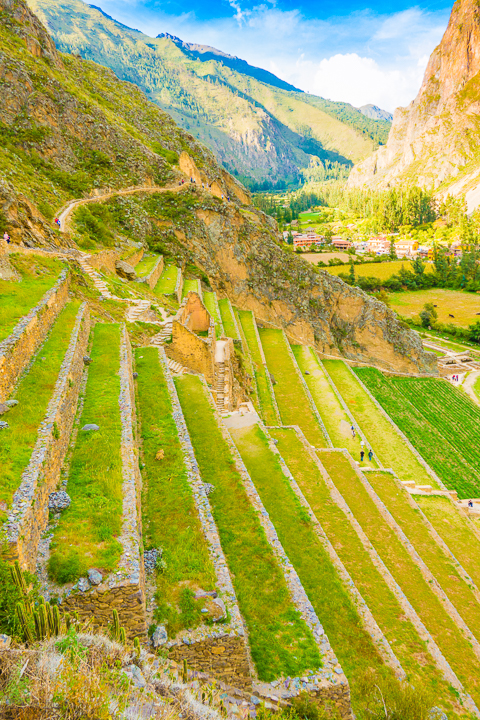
[(468, 384), (65, 213)]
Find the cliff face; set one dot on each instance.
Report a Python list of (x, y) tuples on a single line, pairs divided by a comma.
[(70, 128), (434, 141)]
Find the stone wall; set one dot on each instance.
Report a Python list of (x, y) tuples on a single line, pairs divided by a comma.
[(192, 351), (28, 516), (104, 260), (123, 590), (17, 349), (224, 658), (135, 258), (152, 278)]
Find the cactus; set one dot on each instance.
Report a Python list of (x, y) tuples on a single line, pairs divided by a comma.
[(68, 620), (17, 577), (116, 626), (185, 671), (136, 645), (43, 618), (123, 637), (56, 620), (48, 608), (22, 616)]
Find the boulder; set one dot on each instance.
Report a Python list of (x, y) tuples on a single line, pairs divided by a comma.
[(4, 425), (94, 576), (87, 360), (83, 584), (58, 501), (90, 427), (5, 641), (125, 270), (10, 403), (4, 408), (159, 636)]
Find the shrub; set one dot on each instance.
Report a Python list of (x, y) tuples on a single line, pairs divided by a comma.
[(170, 155)]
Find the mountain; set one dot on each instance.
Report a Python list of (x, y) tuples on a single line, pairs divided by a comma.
[(434, 141), (262, 129), (375, 113)]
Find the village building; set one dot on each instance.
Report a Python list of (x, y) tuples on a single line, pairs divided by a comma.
[(340, 244), (406, 248), (379, 245)]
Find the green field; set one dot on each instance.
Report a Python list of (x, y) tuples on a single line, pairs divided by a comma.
[(211, 305), (228, 321), (38, 274), (33, 393), (167, 281), (463, 306), (146, 264), (383, 270), (440, 422), (190, 285), (280, 641), (86, 535)]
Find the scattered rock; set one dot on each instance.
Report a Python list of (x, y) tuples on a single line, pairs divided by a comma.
[(58, 501), (5, 641), (87, 360), (204, 593), (4, 425), (10, 403), (135, 375), (95, 576), (135, 674), (306, 372), (222, 610), (160, 455), (4, 408), (90, 426), (275, 441), (125, 270), (159, 636), (151, 558), (83, 584), (209, 488), (274, 382)]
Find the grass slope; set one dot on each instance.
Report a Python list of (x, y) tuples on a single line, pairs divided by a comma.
[(33, 394), (267, 407), (291, 398), (209, 302), (190, 285), (38, 275), (456, 649), (462, 305), (428, 436), (85, 537), (168, 510), (146, 265), (167, 281), (280, 642), (399, 631), (227, 319)]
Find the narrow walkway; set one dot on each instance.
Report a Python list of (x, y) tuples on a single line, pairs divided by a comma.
[(468, 384)]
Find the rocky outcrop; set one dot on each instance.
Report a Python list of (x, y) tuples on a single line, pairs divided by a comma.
[(434, 140)]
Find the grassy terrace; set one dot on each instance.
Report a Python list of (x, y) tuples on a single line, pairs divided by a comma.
[(247, 322), (424, 420), (85, 537), (209, 302), (168, 509), (291, 398), (415, 528), (190, 285), (336, 420), (227, 319), (280, 642), (389, 447), (33, 394), (456, 530), (167, 281), (38, 274), (456, 649), (146, 264), (399, 631)]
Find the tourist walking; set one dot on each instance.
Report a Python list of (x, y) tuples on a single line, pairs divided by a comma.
[(370, 454), (362, 455), (353, 431), (6, 237), (57, 222)]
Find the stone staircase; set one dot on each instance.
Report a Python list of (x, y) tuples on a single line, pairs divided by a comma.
[(175, 367), (164, 334), (135, 312), (98, 282), (220, 401)]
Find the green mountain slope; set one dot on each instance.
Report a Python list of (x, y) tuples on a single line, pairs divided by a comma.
[(262, 129)]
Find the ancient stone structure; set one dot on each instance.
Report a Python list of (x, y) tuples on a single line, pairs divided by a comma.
[(29, 333), (28, 515), (189, 349), (152, 278)]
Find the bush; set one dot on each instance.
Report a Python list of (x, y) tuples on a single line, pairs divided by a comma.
[(169, 155)]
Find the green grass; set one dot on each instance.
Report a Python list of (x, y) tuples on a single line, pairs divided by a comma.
[(291, 398), (169, 516), (415, 408), (190, 285), (456, 530), (416, 529), (462, 305), (86, 534), (167, 281), (476, 387), (209, 302), (389, 615), (33, 394), (335, 419), (389, 447), (280, 642), (228, 319), (456, 649), (383, 270), (267, 407), (146, 264), (38, 275)]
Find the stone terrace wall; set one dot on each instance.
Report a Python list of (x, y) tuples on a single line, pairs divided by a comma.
[(105, 259), (152, 278), (222, 657), (135, 258), (123, 590), (191, 350), (17, 349), (28, 516)]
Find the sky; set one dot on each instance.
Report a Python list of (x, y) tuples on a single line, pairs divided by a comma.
[(341, 51)]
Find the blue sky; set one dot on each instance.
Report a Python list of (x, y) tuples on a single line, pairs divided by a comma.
[(349, 51)]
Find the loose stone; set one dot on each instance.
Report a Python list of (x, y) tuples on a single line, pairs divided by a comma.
[(87, 360), (159, 636), (11, 403), (58, 501), (4, 425), (90, 426), (95, 576), (83, 584), (4, 408)]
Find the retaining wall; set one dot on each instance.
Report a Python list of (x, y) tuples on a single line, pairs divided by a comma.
[(153, 276), (192, 351), (28, 516), (123, 590), (17, 349)]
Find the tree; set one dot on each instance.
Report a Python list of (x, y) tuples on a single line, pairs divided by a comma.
[(393, 253), (351, 272), (474, 331), (425, 318), (430, 308)]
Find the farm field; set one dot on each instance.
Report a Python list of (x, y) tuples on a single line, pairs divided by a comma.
[(464, 306), (450, 639), (430, 425), (388, 446), (38, 275), (173, 523), (265, 399), (292, 400), (335, 610), (388, 613), (226, 312), (167, 281), (325, 257), (280, 641), (383, 271)]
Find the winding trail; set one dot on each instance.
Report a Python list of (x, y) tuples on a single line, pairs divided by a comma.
[(468, 384)]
